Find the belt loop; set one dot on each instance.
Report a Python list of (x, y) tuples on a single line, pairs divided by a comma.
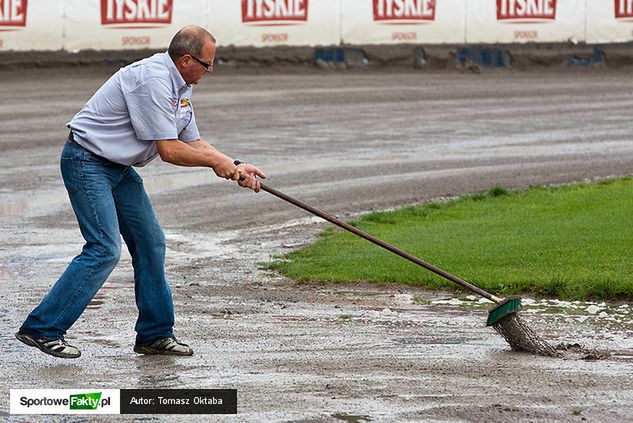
[(71, 139)]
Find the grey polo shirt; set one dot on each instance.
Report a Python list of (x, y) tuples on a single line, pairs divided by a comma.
[(141, 103)]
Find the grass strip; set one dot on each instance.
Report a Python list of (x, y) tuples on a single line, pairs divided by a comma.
[(573, 242)]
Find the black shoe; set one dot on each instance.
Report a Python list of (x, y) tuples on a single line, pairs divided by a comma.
[(55, 347), (164, 346)]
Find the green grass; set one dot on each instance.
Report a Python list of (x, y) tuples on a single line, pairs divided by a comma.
[(570, 242)]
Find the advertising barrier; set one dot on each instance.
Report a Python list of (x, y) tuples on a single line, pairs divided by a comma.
[(128, 24), (262, 23), (609, 21), (31, 24), (521, 21), (411, 21), (149, 24)]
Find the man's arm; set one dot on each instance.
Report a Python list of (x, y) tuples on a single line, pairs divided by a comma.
[(183, 154), (201, 153)]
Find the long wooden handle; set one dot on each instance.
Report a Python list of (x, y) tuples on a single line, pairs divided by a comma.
[(380, 243)]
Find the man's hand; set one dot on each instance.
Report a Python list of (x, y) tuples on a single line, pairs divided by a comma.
[(224, 167), (247, 176), (201, 153)]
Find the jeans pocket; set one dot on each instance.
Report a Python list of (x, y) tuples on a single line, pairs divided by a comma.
[(67, 166)]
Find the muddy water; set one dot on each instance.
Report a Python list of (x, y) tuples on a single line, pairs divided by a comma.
[(346, 143)]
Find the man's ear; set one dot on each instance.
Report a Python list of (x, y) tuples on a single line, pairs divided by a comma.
[(183, 61)]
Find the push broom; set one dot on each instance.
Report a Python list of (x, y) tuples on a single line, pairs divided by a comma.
[(502, 316)]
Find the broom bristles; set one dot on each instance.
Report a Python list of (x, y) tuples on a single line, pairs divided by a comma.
[(521, 338)]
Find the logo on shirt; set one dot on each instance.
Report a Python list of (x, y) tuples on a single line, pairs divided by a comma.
[(274, 12), (173, 101), (624, 10), (404, 11), (136, 13), (184, 102), (12, 14), (526, 11)]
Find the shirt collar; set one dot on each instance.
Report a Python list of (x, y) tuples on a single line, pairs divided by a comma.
[(179, 83)]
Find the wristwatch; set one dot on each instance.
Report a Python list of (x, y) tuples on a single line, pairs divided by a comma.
[(237, 162)]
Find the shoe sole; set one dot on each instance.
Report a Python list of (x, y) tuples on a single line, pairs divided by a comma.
[(150, 351), (28, 340)]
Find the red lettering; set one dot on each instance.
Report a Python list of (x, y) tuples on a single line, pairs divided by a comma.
[(136, 13), (274, 12), (402, 11), (623, 9), (275, 38), (13, 13), (526, 10), (525, 35), (404, 36), (135, 41)]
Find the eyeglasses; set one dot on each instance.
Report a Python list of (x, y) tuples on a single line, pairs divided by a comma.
[(205, 64)]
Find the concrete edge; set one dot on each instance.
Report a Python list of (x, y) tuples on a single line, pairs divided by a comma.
[(419, 56)]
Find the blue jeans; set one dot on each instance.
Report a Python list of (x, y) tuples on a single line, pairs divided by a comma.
[(108, 199)]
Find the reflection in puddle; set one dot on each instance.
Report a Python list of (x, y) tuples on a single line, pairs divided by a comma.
[(157, 371), (352, 418), (113, 284), (95, 303)]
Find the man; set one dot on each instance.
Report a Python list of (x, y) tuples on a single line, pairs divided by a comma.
[(142, 111)]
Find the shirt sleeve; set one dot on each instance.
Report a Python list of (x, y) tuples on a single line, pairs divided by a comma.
[(190, 132), (152, 111)]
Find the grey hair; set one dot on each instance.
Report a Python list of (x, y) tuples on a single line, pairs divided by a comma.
[(189, 40)]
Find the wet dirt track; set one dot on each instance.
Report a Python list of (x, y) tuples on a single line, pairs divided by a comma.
[(346, 143)]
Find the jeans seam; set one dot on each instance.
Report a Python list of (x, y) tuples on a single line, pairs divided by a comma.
[(131, 227), (136, 237), (93, 269), (75, 188)]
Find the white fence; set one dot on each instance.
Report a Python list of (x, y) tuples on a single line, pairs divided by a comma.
[(128, 24)]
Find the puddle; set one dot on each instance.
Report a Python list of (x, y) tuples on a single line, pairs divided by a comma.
[(109, 288), (580, 311), (95, 303)]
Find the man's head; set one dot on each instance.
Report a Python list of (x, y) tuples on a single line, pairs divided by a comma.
[(193, 51)]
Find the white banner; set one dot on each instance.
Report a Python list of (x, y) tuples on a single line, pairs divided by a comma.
[(403, 21), (275, 22), (522, 21), (134, 24), (31, 24), (609, 21), (129, 24)]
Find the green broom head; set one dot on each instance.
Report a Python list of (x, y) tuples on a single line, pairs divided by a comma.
[(508, 306)]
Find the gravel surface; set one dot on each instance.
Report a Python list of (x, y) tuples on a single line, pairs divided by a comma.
[(345, 142)]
